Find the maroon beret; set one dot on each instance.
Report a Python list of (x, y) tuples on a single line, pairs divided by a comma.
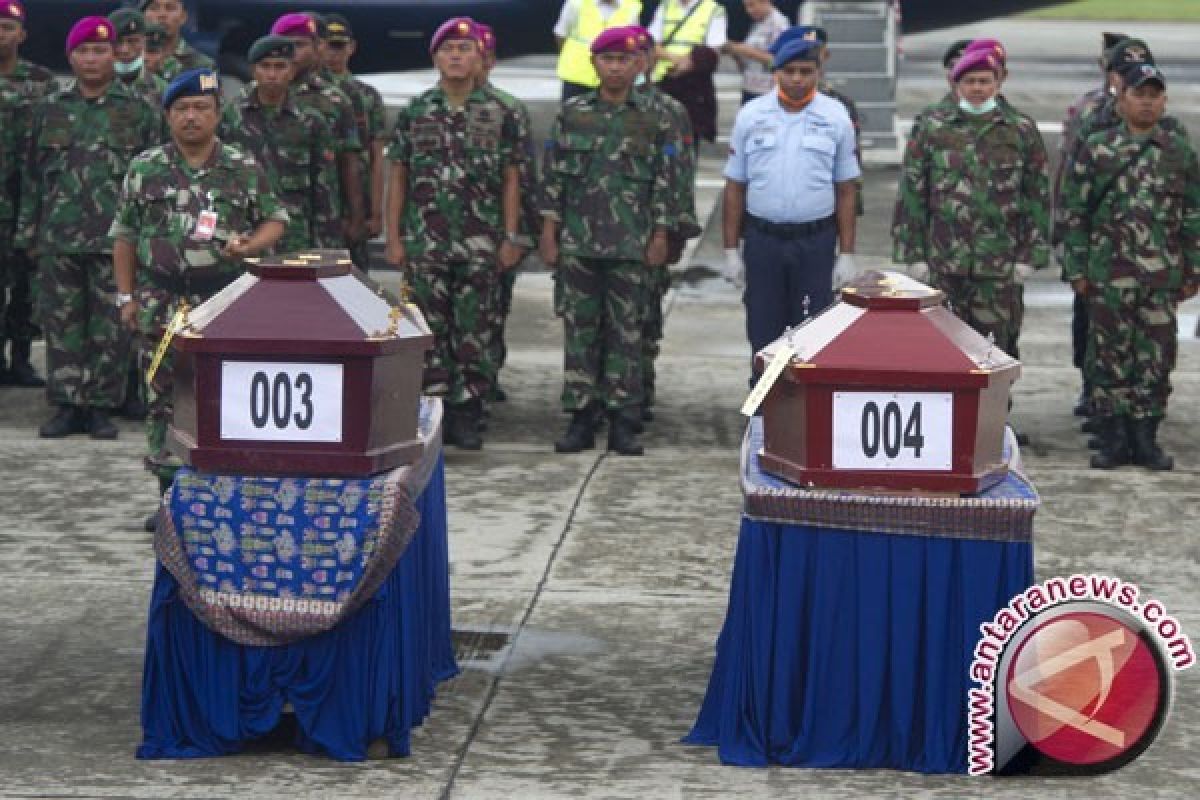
[(90, 29)]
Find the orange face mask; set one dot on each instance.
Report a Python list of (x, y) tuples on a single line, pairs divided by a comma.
[(796, 105)]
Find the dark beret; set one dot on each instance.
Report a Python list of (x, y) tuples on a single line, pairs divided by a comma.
[(271, 47)]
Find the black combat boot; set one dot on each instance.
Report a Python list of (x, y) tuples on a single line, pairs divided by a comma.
[(135, 405), (581, 433), (1114, 443), (462, 425), (67, 420), (99, 425), (621, 435), (1146, 452), (21, 372), (1083, 406), (1091, 425)]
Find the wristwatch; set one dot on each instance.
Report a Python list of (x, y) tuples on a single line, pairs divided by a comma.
[(122, 298)]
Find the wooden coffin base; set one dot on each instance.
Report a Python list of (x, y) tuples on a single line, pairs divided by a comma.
[(893, 481)]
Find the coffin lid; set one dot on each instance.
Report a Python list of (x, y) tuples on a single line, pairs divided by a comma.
[(890, 328), (313, 302)]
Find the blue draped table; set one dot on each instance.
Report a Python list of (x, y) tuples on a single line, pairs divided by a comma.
[(372, 674), (852, 619)]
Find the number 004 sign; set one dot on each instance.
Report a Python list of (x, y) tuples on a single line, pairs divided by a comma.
[(893, 430), (281, 402)]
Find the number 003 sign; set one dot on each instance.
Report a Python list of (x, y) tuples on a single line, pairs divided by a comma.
[(893, 430), (281, 402)]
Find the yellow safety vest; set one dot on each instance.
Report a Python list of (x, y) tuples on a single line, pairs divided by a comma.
[(575, 60), (692, 34)]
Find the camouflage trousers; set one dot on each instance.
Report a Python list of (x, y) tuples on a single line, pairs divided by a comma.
[(603, 303), (16, 297), (1131, 350), (459, 300), (658, 281), (992, 308), (87, 353), (156, 307), (504, 287)]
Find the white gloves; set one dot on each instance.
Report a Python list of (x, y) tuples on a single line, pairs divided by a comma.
[(844, 271), (1023, 272), (919, 271), (734, 270)]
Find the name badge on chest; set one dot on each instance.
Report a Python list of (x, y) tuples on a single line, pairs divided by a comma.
[(206, 226)]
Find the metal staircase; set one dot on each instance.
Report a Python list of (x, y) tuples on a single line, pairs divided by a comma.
[(862, 62)]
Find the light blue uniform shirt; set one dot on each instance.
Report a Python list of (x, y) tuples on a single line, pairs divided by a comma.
[(790, 161)]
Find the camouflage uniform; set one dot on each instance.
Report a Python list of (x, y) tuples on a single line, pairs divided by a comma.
[(855, 120), (683, 199), (369, 118), (608, 174), (972, 203), (531, 220), (27, 84), (314, 91), (1131, 229), (183, 58), (160, 201), (453, 225), (296, 147), (79, 150), (147, 85)]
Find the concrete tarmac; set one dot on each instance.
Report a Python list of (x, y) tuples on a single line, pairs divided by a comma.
[(588, 590)]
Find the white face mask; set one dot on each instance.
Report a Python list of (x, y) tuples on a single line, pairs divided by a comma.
[(983, 108), (640, 79), (128, 67)]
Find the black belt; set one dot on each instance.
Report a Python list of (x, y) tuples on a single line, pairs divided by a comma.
[(194, 282), (790, 230)]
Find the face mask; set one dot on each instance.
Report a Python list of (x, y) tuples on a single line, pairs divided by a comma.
[(639, 80), (128, 68), (983, 108)]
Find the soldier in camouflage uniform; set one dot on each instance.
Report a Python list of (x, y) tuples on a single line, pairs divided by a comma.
[(82, 138), (683, 197), (130, 26), (181, 56), (22, 83), (607, 213), (531, 218), (189, 212), (1131, 248), (339, 48), (293, 143), (1096, 113), (972, 209), (312, 89), (452, 220), (155, 54)]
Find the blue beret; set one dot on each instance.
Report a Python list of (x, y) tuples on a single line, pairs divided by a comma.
[(797, 50), (805, 33), (193, 83)]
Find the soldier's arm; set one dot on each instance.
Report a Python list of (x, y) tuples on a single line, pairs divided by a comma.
[(911, 214), (1190, 229), (1077, 190), (30, 208), (1035, 203), (323, 221), (348, 175), (272, 216), (551, 201)]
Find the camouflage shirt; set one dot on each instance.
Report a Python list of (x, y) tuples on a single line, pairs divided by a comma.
[(456, 159), (296, 147), (146, 84), (973, 196), (607, 176), (531, 218), (683, 178), (11, 138), (369, 119), (183, 58), (314, 91), (31, 80), (1131, 210), (162, 198), (79, 150)]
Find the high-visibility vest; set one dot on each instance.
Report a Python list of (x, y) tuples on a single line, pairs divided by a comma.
[(575, 60), (691, 34)]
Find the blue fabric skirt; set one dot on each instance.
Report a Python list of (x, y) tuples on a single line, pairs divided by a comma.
[(373, 676), (849, 649)]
